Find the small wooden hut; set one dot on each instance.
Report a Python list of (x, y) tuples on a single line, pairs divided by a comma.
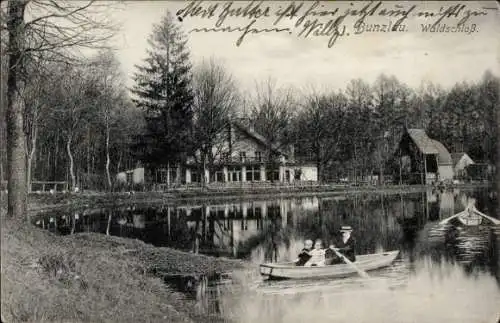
[(421, 159)]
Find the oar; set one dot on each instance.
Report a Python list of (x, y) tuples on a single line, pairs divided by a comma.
[(458, 214), (362, 273), (495, 221), (452, 217)]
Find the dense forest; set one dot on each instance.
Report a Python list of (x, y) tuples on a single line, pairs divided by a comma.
[(83, 124)]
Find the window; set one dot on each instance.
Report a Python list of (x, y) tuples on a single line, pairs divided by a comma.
[(196, 176), (243, 156), (272, 175), (244, 224), (253, 173), (258, 156), (164, 175), (173, 175), (258, 216), (218, 176), (257, 211), (273, 211), (234, 174)]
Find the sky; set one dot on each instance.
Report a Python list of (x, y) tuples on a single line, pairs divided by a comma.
[(412, 56)]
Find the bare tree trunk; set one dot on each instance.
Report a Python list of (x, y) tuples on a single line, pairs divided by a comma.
[(88, 176), (318, 163), (56, 156), (88, 152), (355, 165), (71, 163), (119, 164), (168, 174), (203, 178), (92, 166), (73, 224), (109, 222), (16, 141), (31, 154), (1, 170), (41, 153), (108, 160), (2, 151)]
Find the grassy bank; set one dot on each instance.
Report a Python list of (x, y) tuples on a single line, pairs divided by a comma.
[(93, 278)]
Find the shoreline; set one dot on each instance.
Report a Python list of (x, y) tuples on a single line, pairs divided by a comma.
[(45, 202), (79, 277)]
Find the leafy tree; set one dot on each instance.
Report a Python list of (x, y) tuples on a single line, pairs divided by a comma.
[(487, 104), (163, 90)]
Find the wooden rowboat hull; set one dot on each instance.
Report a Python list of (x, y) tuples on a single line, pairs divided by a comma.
[(470, 218), (364, 262)]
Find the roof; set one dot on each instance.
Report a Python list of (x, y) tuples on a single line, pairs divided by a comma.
[(455, 157), (430, 146), (423, 142), (444, 156), (257, 137)]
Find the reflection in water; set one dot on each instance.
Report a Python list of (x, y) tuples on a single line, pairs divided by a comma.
[(438, 263), (438, 292)]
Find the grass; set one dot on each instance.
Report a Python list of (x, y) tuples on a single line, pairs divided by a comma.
[(93, 278)]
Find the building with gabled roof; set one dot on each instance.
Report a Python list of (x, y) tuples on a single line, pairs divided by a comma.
[(422, 159), (461, 161), (243, 155), (239, 155)]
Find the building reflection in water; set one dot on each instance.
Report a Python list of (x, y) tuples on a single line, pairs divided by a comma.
[(227, 228), (274, 229)]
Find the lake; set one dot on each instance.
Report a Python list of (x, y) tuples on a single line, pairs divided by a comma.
[(445, 273)]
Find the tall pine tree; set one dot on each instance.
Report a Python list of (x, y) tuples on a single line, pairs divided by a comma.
[(163, 90)]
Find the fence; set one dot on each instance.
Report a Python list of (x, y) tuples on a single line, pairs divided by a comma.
[(235, 185), (245, 186), (47, 186)]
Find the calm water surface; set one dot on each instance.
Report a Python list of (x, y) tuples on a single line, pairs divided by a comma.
[(445, 273)]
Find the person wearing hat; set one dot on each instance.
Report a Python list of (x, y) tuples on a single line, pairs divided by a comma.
[(345, 245)]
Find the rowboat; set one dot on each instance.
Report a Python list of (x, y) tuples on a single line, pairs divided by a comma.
[(471, 217), (288, 270)]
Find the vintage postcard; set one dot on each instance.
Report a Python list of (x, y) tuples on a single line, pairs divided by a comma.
[(250, 161)]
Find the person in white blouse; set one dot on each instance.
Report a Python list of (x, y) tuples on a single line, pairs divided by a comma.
[(317, 255)]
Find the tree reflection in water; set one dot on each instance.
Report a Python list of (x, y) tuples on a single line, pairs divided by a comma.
[(274, 229)]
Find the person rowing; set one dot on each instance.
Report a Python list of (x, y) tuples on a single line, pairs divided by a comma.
[(346, 246)]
